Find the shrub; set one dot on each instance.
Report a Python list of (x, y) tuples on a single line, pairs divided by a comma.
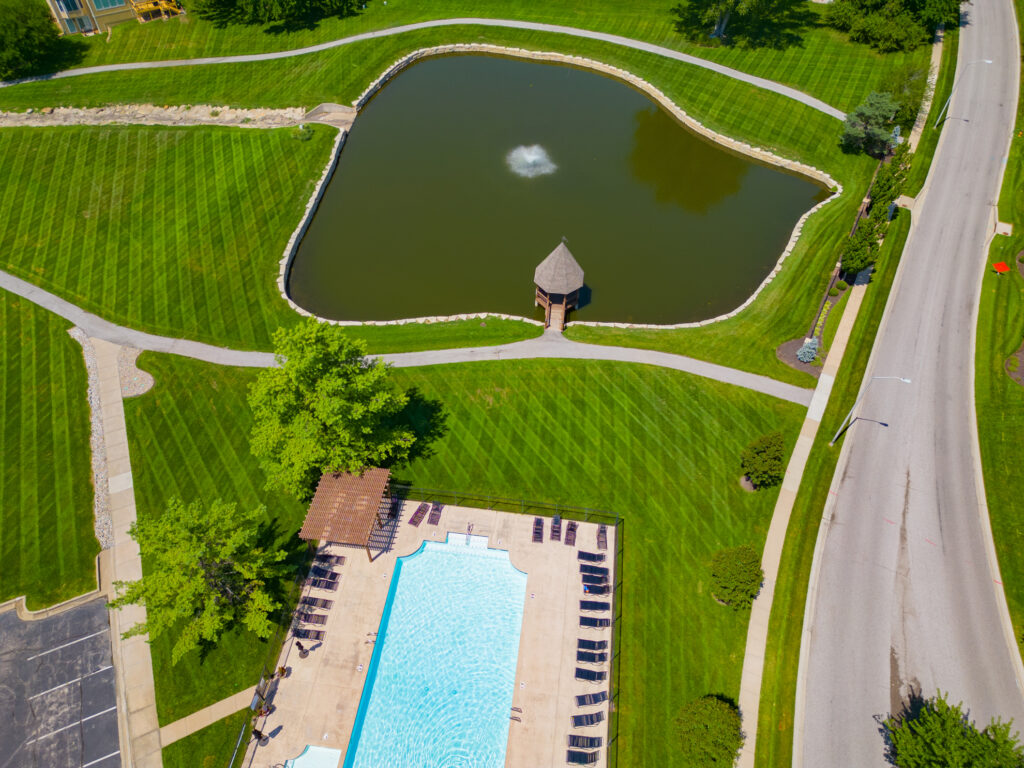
[(761, 461), (907, 86), (841, 285), (807, 352), (861, 249), (302, 132), (710, 732), (935, 732), (833, 291), (867, 128), (736, 576)]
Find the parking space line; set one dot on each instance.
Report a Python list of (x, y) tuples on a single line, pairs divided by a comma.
[(71, 725), (70, 682), (105, 757), (94, 634)]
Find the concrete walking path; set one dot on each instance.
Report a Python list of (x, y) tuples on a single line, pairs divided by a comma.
[(639, 45), (760, 613), (133, 663), (189, 724), (550, 345)]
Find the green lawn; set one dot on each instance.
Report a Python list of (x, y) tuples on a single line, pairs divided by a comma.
[(47, 545), (658, 446), (998, 399), (930, 137), (822, 63), (189, 438), (177, 231), (211, 747), (782, 655)]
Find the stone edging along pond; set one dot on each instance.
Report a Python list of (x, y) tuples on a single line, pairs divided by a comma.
[(660, 98)]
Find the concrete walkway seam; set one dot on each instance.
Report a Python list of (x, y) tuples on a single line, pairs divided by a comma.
[(639, 45)]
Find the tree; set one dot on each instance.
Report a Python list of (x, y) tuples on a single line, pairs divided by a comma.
[(205, 574), (935, 733), (867, 128), (28, 37), (888, 184), (907, 86), (737, 576), (700, 18), (861, 248), (761, 461), (326, 408), (710, 732)]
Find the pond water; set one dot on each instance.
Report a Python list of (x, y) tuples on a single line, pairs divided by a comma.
[(464, 172)]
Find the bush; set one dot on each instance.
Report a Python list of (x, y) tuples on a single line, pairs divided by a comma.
[(736, 576), (808, 351), (861, 248), (841, 285), (302, 132), (935, 732), (833, 291), (710, 732), (761, 461)]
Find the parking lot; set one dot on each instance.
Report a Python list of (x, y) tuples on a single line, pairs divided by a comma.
[(57, 694)]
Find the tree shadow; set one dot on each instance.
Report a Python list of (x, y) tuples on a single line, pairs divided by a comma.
[(773, 24), (63, 53), (428, 421), (911, 708), (300, 15)]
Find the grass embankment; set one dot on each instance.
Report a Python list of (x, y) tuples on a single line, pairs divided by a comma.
[(177, 231), (778, 687), (47, 545), (821, 62), (660, 447), (209, 748), (930, 136), (999, 400)]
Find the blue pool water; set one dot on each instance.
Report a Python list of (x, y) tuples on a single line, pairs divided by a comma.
[(439, 686)]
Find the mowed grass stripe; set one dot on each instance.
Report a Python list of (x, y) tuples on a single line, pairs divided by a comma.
[(47, 544), (658, 446), (822, 62), (189, 439)]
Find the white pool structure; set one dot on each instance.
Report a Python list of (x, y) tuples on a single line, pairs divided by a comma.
[(440, 682)]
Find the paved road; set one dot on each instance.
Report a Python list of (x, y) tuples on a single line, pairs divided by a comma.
[(627, 42), (902, 596), (58, 703), (547, 346)]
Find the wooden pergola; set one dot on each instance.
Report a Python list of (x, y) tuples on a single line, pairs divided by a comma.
[(346, 508), (558, 279)]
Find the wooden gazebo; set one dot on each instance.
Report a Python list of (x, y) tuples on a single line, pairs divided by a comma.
[(559, 279), (346, 509)]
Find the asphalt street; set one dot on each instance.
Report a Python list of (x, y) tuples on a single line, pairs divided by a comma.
[(57, 696), (903, 600)]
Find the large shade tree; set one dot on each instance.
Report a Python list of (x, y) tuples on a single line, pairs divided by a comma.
[(28, 37), (205, 573), (325, 408)]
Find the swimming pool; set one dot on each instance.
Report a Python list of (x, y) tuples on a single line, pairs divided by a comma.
[(438, 690)]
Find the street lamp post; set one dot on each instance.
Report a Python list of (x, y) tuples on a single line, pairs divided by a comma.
[(957, 80), (859, 398)]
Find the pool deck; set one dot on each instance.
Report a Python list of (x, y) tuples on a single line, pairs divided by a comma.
[(317, 702)]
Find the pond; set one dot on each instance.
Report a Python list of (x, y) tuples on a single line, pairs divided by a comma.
[(464, 172)]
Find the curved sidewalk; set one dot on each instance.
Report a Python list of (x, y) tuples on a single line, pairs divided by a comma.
[(639, 45), (550, 345)]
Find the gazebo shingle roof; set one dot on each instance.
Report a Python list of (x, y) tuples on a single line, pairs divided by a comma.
[(559, 272), (345, 507)]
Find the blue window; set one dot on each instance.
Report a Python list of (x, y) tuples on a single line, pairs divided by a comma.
[(102, 5), (69, 6)]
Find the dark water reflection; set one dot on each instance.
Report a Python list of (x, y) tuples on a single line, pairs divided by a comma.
[(424, 216)]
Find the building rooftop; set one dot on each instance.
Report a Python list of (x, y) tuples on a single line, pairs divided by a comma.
[(559, 272)]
